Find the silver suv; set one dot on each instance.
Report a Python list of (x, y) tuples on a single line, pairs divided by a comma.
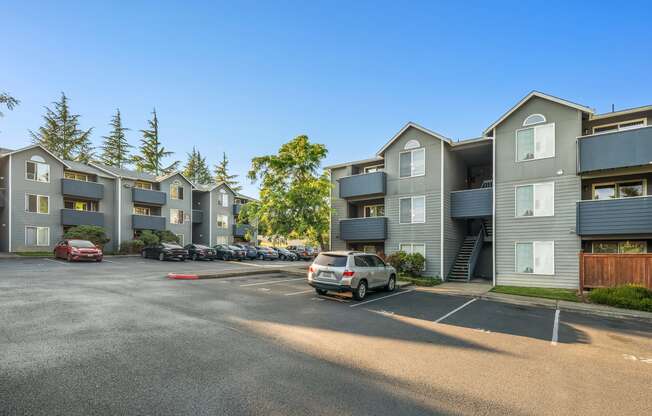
[(350, 271)]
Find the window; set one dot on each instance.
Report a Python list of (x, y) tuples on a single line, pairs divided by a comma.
[(331, 260), (626, 189), (619, 247), (375, 168), (143, 185), (181, 239), (412, 210), (80, 205), (176, 190), (537, 200), (221, 239), (412, 163), (37, 170), (410, 248), (375, 261), (222, 221), (37, 236), (623, 125), (534, 119), (223, 198), (374, 210), (142, 211), (535, 257), (362, 261), (176, 216), (39, 204), (76, 176), (536, 142)]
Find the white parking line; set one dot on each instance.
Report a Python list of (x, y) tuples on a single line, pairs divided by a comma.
[(384, 297), (555, 329), (272, 282), (55, 261), (455, 310), (298, 293)]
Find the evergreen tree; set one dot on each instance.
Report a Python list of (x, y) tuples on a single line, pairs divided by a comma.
[(8, 101), (115, 149), (196, 168), (222, 174), (152, 152), (60, 133)]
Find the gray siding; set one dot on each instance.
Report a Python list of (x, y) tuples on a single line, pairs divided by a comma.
[(471, 203), (200, 231), (338, 208), (145, 196), (222, 210), (4, 209), (184, 204), (615, 217), (148, 222), (82, 189), (619, 149), (363, 185), (363, 229), (454, 230)]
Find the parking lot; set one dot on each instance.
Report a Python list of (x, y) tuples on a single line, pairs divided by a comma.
[(120, 338)]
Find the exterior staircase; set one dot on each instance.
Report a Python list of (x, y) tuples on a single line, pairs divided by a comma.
[(488, 227), (460, 269)]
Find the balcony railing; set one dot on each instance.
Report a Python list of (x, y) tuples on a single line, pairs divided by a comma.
[(197, 216), (472, 203), (363, 229), (150, 197), (618, 149), (366, 184), (75, 217), (240, 230), (147, 222), (82, 189), (237, 208), (624, 216)]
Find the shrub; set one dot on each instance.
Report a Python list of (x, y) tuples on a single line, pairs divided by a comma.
[(629, 296), (92, 233), (397, 260), (167, 236), (149, 238), (131, 247), (415, 264)]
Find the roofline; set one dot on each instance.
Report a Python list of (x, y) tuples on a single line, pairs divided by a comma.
[(540, 95), (103, 170), (214, 186), (418, 127), (23, 149), (478, 140), (171, 174), (355, 162), (622, 112)]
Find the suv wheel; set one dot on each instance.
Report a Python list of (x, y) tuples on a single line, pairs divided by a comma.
[(161, 256), (320, 291), (360, 292), (391, 284)]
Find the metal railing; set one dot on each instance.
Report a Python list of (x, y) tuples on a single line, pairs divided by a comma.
[(475, 253)]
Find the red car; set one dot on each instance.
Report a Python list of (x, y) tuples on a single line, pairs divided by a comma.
[(77, 250)]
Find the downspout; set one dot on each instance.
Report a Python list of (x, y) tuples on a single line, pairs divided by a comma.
[(10, 204), (119, 212), (493, 207), (441, 213), (210, 218)]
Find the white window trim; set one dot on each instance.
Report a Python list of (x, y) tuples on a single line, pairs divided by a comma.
[(526, 124), (36, 173), (37, 230), (365, 170), (617, 185), (534, 126), (37, 204), (226, 221), (534, 254), (412, 175), (364, 210), (182, 216), (178, 185), (643, 119), (411, 208), (534, 187)]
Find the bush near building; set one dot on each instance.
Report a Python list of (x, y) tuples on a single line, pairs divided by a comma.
[(92, 233), (131, 247), (628, 296)]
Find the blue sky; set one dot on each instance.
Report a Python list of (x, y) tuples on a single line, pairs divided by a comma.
[(245, 77)]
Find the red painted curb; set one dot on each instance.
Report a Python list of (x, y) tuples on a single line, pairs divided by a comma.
[(178, 276)]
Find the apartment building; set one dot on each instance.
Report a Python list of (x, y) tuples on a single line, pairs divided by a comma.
[(41, 196), (548, 179)]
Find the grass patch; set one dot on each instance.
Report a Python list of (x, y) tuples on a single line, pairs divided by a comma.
[(538, 292), (629, 297), (420, 280), (34, 253)]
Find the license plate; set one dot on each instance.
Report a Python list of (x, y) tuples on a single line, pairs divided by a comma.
[(327, 275), (89, 255)]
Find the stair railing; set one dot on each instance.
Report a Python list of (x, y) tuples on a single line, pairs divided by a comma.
[(475, 253)]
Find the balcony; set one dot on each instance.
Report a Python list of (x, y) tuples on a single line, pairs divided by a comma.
[(363, 229), (623, 216), (239, 230), (367, 184), (75, 217), (236, 209), (3, 193), (147, 222), (197, 216), (82, 189), (618, 149), (145, 196), (472, 203)]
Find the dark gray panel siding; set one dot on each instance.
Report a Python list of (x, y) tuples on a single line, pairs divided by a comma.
[(145, 196), (197, 216), (82, 189), (146, 222), (74, 217), (615, 217), (472, 203), (363, 185), (363, 229), (338, 208), (616, 150)]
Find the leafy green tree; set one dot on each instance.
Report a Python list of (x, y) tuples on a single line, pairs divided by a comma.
[(8, 101), (152, 151), (115, 149), (92, 233), (293, 196), (60, 133), (149, 238), (221, 172), (167, 236), (196, 168)]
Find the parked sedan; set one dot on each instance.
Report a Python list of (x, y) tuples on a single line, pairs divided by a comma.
[(266, 253), (165, 251), (302, 252), (238, 253), (200, 252), (223, 252), (78, 250), (250, 252), (284, 254)]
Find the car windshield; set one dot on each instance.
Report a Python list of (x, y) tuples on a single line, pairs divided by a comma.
[(169, 245), (331, 260), (81, 244), (235, 248), (200, 246)]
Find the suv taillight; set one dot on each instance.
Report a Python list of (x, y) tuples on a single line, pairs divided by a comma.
[(311, 269), (348, 273)]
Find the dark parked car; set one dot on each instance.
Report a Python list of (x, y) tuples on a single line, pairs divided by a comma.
[(284, 254), (165, 251), (238, 253), (266, 253), (223, 252), (200, 252), (304, 253), (77, 250), (250, 252)]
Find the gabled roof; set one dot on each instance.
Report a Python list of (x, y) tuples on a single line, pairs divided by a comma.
[(355, 162), (623, 112), (125, 173), (540, 95), (414, 126), (161, 178), (33, 146), (211, 186), (86, 168), (243, 196)]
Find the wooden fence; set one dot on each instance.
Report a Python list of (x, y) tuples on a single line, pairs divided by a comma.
[(608, 270)]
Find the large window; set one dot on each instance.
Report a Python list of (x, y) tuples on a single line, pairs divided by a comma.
[(223, 198), (374, 210), (412, 210), (537, 142), (176, 216), (535, 257), (536, 200), (80, 205), (412, 163), (619, 247), (39, 204), (222, 221), (625, 189), (37, 170), (37, 236), (142, 211), (176, 190), (143, 185), (623, 125), (76, 176), (372, 169)]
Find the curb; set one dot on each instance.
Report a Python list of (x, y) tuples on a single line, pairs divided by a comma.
[(234, 273), (180, 276)]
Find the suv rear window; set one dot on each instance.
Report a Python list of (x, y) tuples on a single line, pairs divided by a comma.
[(330, 260)]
